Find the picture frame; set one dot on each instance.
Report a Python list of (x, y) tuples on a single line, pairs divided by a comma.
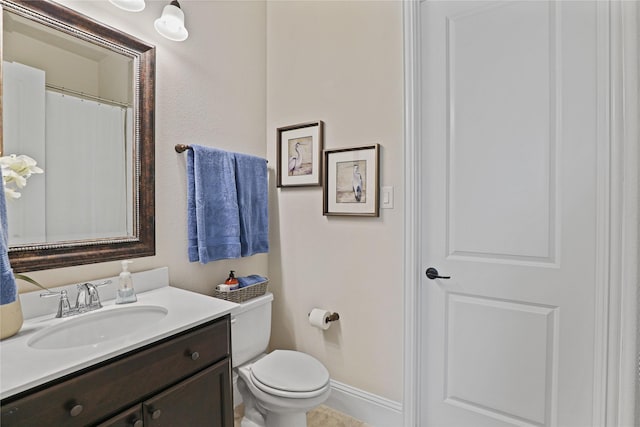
[(351, 181), (299, 154)]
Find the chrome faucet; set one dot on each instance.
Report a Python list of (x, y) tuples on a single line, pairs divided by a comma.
[(88, 299)]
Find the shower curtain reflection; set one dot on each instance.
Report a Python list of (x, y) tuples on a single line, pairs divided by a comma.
[(98, 174)]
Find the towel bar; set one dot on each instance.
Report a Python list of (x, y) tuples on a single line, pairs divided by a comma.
[(180, 148)]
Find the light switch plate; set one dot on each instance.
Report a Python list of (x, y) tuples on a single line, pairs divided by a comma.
[(387, 197)]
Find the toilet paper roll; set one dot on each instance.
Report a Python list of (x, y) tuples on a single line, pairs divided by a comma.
[(320, 318)]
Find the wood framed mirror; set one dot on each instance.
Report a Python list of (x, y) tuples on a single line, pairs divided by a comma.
[(91, 129)]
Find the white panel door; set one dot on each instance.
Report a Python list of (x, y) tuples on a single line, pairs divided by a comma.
[(512, 109)]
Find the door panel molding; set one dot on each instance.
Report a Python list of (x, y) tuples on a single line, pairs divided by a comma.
[(482, 226), (486, 323)]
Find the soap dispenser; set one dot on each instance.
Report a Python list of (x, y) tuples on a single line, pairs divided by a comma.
[(126, 294), (232, 281)]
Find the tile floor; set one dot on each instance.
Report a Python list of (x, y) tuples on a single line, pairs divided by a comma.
[(322, 416)]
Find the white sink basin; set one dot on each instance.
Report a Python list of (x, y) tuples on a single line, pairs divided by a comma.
[(97, 327)]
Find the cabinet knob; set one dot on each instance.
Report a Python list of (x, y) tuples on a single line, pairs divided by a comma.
[(195, 355), (156, 414), (76, 410), (138, 423)]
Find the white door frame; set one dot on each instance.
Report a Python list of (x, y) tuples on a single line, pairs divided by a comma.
[(618, 199)]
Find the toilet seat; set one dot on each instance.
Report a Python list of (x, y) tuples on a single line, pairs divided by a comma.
[(290, 374)]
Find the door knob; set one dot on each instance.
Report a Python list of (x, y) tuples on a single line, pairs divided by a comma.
[(432, 273)]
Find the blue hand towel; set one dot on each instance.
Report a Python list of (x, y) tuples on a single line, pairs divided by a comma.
[(243, 282), (8, 288), (253, 192), (212, 213)]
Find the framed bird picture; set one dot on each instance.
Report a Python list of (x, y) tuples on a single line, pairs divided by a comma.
[(299, 154), (352, 181)]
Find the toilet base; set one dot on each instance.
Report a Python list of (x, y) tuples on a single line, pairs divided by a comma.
[(291, 419)]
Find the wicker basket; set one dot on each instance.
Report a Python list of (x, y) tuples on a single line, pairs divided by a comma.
[(243, 294)]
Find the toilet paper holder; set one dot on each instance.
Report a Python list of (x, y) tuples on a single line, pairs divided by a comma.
[(332, 317)]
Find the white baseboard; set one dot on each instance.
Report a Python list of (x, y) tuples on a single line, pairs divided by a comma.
[(374, 410)]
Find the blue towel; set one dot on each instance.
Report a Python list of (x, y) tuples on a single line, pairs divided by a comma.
[(253, 192), (212, 205), (8, 288), (243, 282)]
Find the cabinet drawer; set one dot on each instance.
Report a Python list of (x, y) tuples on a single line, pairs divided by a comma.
[(110, 388)]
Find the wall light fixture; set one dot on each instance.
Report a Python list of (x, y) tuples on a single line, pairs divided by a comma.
[(171, 23), (129, 5)]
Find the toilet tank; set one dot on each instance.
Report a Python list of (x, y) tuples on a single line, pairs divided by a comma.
[(250, 329)]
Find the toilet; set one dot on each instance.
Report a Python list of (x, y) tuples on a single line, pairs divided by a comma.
[(277, 388)]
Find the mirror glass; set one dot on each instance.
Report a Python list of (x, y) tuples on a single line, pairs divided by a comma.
[(77, 97)]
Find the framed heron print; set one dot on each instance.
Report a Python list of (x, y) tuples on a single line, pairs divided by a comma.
[(352, 181), (299, 153)]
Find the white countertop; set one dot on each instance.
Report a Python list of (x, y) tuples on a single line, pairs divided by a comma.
[(23, 367)]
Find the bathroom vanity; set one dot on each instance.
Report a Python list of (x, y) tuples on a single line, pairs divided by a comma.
[(175, 371)]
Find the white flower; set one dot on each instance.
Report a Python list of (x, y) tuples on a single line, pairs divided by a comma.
[(22, 165), (15, 172), (12, 194), (12, 177)]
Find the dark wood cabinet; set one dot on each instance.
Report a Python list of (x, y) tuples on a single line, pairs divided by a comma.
[(181, 380), (129, 418), (197, 401)]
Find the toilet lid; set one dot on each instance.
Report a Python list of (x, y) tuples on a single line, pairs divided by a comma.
[(290, 371)]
